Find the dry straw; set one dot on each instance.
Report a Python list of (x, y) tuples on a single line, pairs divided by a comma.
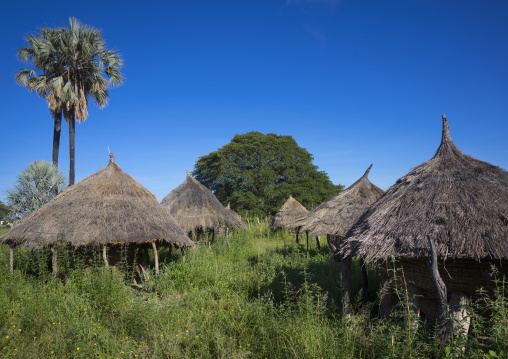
[(337, 215), (194, 207), (290, 211)]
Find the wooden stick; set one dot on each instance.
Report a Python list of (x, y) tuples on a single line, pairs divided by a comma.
[(307, 234), (318, 244), (11, 259), (156, 258), (105, 256), (54, 261), (441, 288), (365, 280), (182, 251), (346, 297)]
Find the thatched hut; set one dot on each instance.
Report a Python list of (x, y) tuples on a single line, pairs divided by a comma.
[(107, 208), (290, 211), (452, 209), (197, 210), (337, 215)]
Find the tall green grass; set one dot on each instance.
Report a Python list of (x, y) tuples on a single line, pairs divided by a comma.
[(262, 297)]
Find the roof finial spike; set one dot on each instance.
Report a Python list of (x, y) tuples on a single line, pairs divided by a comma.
[(447, 146), (188, 173), (111, 157), (367, 172), (446, 130)]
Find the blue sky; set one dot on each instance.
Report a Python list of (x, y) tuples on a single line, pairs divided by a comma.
[(354, 82)]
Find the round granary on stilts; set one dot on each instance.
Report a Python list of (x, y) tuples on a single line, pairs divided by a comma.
[(453, 203), (196, 210), (108, 208)]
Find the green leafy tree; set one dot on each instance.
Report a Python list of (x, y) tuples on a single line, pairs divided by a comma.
[(35, 186), (257, 173), (71, 66), (4, 211)]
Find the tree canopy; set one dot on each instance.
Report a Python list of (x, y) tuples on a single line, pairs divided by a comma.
[(257, 173), (35, 186)]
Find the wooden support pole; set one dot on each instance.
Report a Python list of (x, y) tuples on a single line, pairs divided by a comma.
[(307, 234), (388, 299), (54, 261), (207, 238), (318, 244), (156, 256), (441, 290), (461, 319), (298, 241), (365, 279), (11, 259), (227, 237), (346, 296), (182, 251), (105, 255), (414, 297)]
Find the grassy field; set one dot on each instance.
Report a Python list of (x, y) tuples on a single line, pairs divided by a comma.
[(264, 297)]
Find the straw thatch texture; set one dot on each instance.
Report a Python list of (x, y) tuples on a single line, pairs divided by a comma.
[(337, 215), (194, 207), (290, 211), (235, 217), (108, 207), (459, 202)]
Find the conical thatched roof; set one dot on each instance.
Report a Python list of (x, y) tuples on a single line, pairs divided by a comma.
[(234, 217), (338, 214), (290, 211), (194, 206), (107, 207), (461, 203)]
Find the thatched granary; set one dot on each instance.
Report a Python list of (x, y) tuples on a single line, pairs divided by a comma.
[(454, 202), (107, 208), (290, 211), (196, 209), (337, 215)]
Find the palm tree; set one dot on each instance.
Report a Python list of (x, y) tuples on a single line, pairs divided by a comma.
[(73, 63)]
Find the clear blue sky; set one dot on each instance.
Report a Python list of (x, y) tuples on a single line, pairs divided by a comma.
[(355, 82)]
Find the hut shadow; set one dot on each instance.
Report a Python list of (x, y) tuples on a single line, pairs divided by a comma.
[(315, 278)]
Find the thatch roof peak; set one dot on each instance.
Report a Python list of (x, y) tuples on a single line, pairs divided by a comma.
[(366, 174), (111, 157), (447, 147), (188, 173), (338, 214), (107, 207), (461, 203)]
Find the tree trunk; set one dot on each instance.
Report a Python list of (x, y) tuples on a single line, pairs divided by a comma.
[(57, 116), (72, 125)]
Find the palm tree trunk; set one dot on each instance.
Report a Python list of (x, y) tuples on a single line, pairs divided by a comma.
[(57, 116), (72, 125)]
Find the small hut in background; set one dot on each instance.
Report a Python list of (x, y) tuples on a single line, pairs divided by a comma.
[(290, 211), (338, 214), (452, 209), (108, 208), (197, 210)]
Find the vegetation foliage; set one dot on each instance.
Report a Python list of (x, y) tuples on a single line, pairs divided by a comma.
[(36, 185), (264, 297), (257, 173), (71, 65)]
